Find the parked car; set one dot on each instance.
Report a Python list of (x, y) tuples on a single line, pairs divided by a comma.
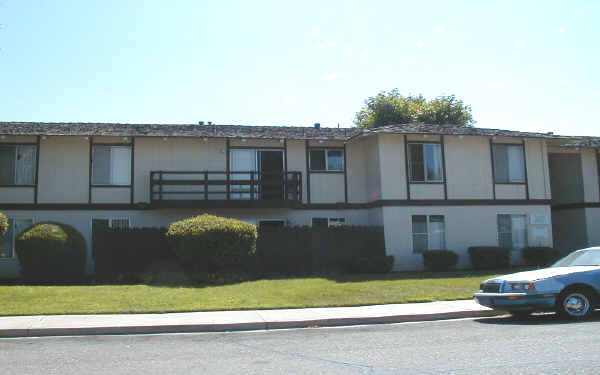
[(571, 287)]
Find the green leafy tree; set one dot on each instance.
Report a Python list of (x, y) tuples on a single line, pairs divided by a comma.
[(392, 108)]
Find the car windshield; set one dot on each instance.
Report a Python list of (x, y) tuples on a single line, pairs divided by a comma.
[(580, 258)]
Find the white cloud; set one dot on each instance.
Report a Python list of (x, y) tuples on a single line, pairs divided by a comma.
[(437, 29), (520, 44), (316, 31), (420, 44), (365, 53), (333, 76), (290, 100), (497, 85), (561, 30), (320, 45), (331, 44)]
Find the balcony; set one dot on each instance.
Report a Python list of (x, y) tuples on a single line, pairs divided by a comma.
[(209, 189)]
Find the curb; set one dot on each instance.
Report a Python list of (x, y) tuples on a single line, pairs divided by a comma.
[(241, 326)]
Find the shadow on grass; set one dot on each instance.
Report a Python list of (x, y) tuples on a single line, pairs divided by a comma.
[(181, 280)]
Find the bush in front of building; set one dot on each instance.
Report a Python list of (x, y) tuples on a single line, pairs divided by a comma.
[(50, 251), (121, 253), (488, 257), (3, 226), (440, 260), (208, 243), (540, 256)]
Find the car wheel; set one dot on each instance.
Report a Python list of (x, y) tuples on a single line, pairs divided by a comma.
[(521, 314), (575, 303)]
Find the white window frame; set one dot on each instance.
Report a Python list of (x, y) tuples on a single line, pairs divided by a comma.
[(326, 150), (110, 171), (14, 234), (428, 220), (521, 181), (410, 164), (110, 220), (512, 248), (14, 171)]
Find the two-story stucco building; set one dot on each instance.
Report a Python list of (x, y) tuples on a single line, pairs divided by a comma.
[(430, 187)]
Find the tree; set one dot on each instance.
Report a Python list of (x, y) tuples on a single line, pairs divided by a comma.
[(392, 108)]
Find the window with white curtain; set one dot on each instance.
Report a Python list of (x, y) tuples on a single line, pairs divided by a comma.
[(425, 162), (16, 227), (429, 233), (111, 165), (509, 164), (17, 164), (512, 231)]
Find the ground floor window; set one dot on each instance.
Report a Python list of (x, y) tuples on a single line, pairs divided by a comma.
[(324, 222), (429, 233), (16, 227), (512, 231)]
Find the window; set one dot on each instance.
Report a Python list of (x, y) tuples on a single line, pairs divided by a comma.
[(115, 222), (111, 165), (429, 233), (512, 231), (16, 227), (17, 164), (326, 160), (323, 222), (425, 162), (509, 164)]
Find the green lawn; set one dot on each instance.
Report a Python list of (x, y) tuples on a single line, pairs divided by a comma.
[(349, 290)]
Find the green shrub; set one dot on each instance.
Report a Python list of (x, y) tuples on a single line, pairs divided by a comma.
[(3, 226), (488, 257), (122, 251), (208, 243), (440, 260), (51, 252), (540, 256)]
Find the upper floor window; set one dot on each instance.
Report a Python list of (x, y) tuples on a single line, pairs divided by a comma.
[(326, 160), (512, 231), (17, 164), (425, 162), (111, 165), (429, 233), (16, 226), (509, 164)]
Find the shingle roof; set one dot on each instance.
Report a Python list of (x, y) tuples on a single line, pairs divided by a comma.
[(175, 130), (267, 132), (459, 130)]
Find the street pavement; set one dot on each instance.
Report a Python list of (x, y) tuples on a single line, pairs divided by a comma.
[(491, 345)]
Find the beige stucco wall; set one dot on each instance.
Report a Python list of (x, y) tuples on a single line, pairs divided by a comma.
[(592, 216), (591, 190), (174, 154), (17, 194), (511, 191), (327, 188), (392, 166), (111, 195), (296, 159), (426, 191), (356, 162), (64, 170), (465, 226), (19, 139), (374, 171), (538, 174), (468, 167)]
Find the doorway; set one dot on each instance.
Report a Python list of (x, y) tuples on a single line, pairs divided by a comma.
[(268, 165)]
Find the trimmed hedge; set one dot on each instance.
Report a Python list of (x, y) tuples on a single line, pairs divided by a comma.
[(488, 257), (440, 260), (307, 250), (540, 256), (3, 226), (210, 243), (119, 251), (51, 251)]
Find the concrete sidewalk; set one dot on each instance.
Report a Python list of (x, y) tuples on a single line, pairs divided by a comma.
[(219, 321)]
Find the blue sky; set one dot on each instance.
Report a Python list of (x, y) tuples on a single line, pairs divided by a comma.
[(523, 65)]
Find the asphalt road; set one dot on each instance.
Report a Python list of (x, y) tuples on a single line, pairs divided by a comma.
[(540, 345)]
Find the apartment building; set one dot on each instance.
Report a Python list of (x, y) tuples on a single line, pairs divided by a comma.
[(430, 187)]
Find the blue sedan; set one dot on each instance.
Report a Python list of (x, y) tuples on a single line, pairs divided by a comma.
[(571, 287)]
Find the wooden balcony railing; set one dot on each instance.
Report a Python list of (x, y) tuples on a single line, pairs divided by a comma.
[(196, 187)]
